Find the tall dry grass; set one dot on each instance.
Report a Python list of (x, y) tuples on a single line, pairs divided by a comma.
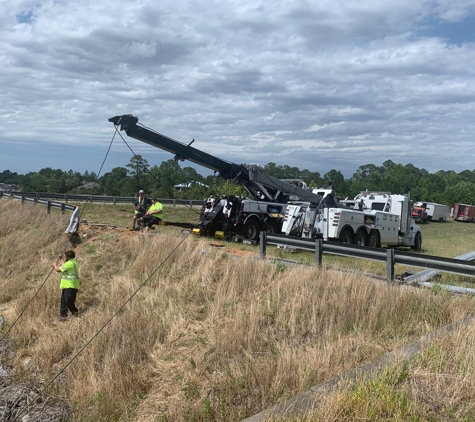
[(209, 337), (437, 385)]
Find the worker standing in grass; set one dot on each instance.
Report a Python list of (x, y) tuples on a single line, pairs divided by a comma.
[(154, 215), (141, 205), (69, 283)]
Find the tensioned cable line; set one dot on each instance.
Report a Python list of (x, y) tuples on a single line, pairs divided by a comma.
[(120, 308), (106, 323), (98, 174), (153, 176), (169, 192), (63, 249)]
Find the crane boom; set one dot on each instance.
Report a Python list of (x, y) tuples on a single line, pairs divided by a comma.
[(260, 185), (128, 123)]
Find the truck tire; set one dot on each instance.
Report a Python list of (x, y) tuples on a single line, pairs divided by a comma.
[(251, 229), (346, 237), (417, 242), (270, 227), (373, 239), (361, 238)]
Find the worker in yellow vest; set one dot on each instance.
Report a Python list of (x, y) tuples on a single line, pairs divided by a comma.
[(69, 285), (154, 214)]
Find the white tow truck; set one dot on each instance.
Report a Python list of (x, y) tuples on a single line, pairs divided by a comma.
[(370, 219)]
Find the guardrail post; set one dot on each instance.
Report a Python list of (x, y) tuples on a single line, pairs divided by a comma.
[(114, 200), (318, 252), (174, 201), (1, 193), (390, 265), (66, 197), (37, 196), (48, 206), (22, 199), (63, 208), (191, 203), (263, 244)]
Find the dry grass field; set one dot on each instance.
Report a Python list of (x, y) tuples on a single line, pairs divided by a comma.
[(212, 334)]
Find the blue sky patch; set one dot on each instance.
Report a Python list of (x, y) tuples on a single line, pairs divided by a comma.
[(24, 17), (454, 32)]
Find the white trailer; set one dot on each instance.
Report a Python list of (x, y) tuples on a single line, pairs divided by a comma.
[(435, 212)]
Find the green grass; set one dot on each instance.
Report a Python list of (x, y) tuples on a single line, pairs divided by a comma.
[(121, 215), (450, 238)]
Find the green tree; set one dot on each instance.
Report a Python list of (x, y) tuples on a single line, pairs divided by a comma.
[(7, 176), (115, 182), (137, 171), (190, 175), (337, 181), (397, 180), (164, 179), (462, 193), (368, 176)]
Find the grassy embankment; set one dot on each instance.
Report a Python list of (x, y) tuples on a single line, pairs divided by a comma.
[(213, 337), (448, 239)]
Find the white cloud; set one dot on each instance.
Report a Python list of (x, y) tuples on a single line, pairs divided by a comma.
[(300, 83)]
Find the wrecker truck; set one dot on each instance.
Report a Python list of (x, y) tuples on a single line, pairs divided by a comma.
[(226, 216), (372, 219)]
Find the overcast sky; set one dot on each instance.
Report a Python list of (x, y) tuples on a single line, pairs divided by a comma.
[(319, 85)]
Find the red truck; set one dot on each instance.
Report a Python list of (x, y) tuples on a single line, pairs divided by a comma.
[(464, 212)]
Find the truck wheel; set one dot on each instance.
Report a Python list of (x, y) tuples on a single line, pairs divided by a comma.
[(270, 227), (417, 242), (251, 229), (360, 238), (373, 239), (346, 237)]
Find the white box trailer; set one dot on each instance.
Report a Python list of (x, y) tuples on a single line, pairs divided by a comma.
[(435, 212)]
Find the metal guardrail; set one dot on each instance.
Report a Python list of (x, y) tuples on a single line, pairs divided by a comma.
[(390, 256), (49, 204), (100, 198)]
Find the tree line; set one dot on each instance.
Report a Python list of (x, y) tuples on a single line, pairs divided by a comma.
[(445, 187)]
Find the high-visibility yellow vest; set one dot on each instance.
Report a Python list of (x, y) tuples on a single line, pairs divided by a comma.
[(157, 207), (70, 275)]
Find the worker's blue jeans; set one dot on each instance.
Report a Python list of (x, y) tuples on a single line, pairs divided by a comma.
[(68, 297)]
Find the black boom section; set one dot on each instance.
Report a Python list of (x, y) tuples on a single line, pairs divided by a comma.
[(182, 152), (239, 173)]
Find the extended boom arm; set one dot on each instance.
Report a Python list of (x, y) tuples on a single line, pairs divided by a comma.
[(258, 184), (182, 151)]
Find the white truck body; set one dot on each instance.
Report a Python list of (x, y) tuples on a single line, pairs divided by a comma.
[(373, 219), (435, 212)]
